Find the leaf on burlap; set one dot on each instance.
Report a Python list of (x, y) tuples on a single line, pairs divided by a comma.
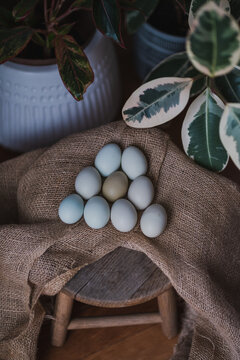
[(13, 41), (200, 132), (73, 65), (213, 45), (139, 12), (107, 17), (23, 9), (230, 131), (229, 85), (197, 4), (157, 102), (178, 65)]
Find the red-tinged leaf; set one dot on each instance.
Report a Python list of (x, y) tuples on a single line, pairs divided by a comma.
[(13, 41), (23, 9), (82, 4), (138, 13), (107, 17), (65, 29), (73, 65)]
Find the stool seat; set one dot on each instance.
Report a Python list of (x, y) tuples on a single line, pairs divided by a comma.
[(121, 278)]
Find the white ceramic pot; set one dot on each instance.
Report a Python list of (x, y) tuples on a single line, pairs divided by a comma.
[(36, 109)]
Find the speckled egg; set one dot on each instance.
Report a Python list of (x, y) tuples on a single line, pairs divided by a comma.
[(71, 209), (108, 159), (134, 162), (88, 182), (153, 221), (115, 186)]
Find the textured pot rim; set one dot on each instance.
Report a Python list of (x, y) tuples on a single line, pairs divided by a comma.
[(158, 33), (36, 66)]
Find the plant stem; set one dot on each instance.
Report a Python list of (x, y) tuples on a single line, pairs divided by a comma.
[(183, 7), (51, 9), (197, 77), (45, 13), (68, 12), (59, 5)]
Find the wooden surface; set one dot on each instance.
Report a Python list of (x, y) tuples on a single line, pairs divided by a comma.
[(122, 278), (139, 342)]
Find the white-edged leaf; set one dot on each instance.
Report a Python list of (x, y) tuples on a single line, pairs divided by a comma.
[(178, 65), (200, 132), (229, 85), (213, 45), (230, 131), (157, 102), (197, 4)]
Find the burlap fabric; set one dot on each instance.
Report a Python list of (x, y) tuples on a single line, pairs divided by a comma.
[(199, 251)]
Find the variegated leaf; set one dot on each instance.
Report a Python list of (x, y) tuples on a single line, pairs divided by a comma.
[(107, 18), (13, 41), (197, 4), (157, 102), (213, 45), (229, 85), (138, 12), (23, 9), (200, 132), (73, 66), (230, 131), (178, 65)]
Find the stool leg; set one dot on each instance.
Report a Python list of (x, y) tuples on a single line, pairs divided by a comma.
[(168, 311), (63, 310)]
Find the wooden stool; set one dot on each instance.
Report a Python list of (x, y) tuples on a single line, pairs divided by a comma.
[(121, 278)]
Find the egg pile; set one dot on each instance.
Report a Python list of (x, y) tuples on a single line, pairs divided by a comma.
[(115, 189)]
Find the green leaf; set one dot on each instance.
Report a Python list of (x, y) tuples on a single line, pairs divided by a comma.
[(6, 18), (38, 39), (200, 132), (82, 4), (197, 4), (107, 17), (23, 9), (213, 45), (157, 102), (229, 85), (65, 29), (73, 65), (178, 65), (141, 10), (230, 131), (13, 41)]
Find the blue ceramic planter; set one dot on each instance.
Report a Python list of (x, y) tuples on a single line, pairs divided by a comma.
[(151, 46)]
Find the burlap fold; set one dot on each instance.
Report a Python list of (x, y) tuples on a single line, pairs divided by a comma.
[(199, 251)]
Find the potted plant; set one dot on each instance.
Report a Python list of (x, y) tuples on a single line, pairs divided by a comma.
[(162, 35), (209, 71), (52, 52)]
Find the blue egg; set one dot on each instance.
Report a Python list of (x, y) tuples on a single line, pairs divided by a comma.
[(108, 159), (96, 212), (71, 209)]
